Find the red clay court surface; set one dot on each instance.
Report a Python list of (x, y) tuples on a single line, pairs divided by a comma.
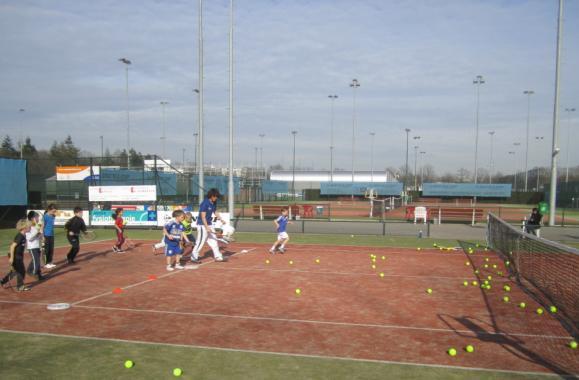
[(345, 308)]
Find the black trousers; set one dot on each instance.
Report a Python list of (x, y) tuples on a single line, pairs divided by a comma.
[(48, 248), (75, 247), (18, 271)]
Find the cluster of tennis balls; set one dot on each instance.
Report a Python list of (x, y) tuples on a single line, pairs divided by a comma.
[(452, 351), (176, 371)]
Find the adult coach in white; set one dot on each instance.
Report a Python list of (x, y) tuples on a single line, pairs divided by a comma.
[(205, 230)]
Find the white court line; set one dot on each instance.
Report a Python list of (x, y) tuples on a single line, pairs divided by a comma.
[(316, 322), (284, 354), (380, 251), (158, 278)]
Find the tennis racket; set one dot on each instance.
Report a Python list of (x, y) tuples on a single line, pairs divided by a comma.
[(88, 235)]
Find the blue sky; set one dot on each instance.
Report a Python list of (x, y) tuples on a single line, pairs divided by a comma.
[(415, 61)]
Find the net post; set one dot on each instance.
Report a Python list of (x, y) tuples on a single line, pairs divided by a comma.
[(261, 212), (473, 216)]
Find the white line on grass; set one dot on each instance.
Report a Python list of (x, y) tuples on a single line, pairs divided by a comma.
[(285, 354), (150, 280)]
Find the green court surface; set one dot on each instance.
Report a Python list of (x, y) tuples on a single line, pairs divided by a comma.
[(28, 356)]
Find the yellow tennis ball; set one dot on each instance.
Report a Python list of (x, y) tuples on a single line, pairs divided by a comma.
[(267, 261), (317, 261), (373, 259), (494, 266), (465, 283), (177, 372), (373, 266), (553, 309), (486, 265), (507, 263), (298, 291), (383, 257), (429, 291), (129, 364), (452, 351), (573, 345), (475, 283), (477, 271), (291, 262), (467, 263), (522, 305), (418, 249), (382, 274), (506, 299), (469, 348), (487, 259), (488, 287), (540, 311), (490, 277), (507, 288), (351, 235)]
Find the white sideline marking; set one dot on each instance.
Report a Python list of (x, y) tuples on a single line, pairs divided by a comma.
[(147, 281), (307, 321), (283, 354)]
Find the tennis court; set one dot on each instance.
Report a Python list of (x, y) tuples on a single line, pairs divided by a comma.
[(346, 308)]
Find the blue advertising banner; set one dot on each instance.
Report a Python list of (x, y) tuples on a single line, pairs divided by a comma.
[(123, 177), (219, 182), (130, 217), (500, 190), (345, 188), (13, 186)]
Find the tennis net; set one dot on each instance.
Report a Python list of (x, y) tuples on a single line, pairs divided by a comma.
[(547, 270)]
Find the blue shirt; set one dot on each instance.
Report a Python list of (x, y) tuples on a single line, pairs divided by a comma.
[(209, 208), (48, 224), (282, 222), (175, 229)]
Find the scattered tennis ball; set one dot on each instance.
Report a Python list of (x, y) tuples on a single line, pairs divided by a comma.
[(373, 259), (573, 345), (490, 277), (507, 263), (373, 266), (476, 271), (440, 248), (487, 259), (553, 309), (467, 263), (177, 372), (383, 257), (434, 245), (506, 299), (469, 348), (488, 287), (129, 364), (507, 288), (486, 265), (351, 235), (510, 253), (540, 311), (418, 249), (382, 274), (477, 245), (267, 261), (452, 351), (475, 283), (465, 283), (486, 282), (522, 305), (291, 262), (486, 249), (317, 261), (298, 291), (494, 266), (429, 291)]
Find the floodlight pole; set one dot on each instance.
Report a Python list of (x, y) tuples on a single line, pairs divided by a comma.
[(415, 157), (21, 142), (515, 174), (539, 139), (163, 136), (516, 147), (127, 62), (332, 98), (555, 148), (201, 131), (372, 157), (354, 86), (294, 133), (478, 81), (230, 188), (422, 169), (404, 189)]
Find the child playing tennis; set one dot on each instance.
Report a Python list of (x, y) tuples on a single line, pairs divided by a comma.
[(120, 228), (73, 227), (33, 239), (282, 237), (174, 234), (16, 255), (205, 229)]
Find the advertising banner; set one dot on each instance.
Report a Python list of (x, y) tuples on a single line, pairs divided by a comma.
[(130, 217), (500, 190), (122, 193), (359, 188), (14, 184), (75, 173)]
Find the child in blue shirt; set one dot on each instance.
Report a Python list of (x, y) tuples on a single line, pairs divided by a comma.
[(174, 232), (48, 233), (282, 237)]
